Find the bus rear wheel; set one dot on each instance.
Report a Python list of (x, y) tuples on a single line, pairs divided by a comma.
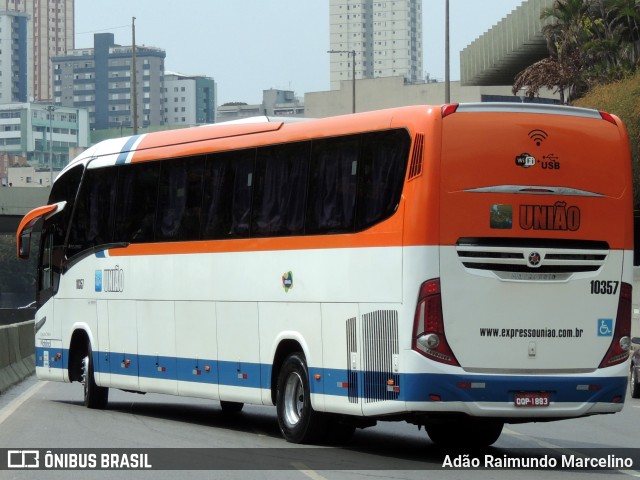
[(94, 396), (298, 421), (465, 434)]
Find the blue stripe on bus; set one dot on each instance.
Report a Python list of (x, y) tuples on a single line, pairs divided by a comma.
[(126, 149), (414, 387)]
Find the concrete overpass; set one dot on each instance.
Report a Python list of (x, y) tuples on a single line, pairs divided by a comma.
[(15, 202), (514, 43)]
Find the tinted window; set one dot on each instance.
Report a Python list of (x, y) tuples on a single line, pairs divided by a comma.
[(92, 220), (180, 199), (280, 191), (54, 232), (136, 202), (228, 183), (65, 189), (382, 166), (332, 185)]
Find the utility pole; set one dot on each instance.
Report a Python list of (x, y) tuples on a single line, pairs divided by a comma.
[(350, 53), (353, 76), (447, 80), (50, 109), (134, 81)]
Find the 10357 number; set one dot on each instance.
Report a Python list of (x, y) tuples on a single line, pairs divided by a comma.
[(604, 287)]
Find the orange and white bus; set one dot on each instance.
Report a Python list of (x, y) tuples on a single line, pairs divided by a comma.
[(459, 266)]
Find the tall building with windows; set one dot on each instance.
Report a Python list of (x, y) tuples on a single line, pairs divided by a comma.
[(51, 31), (42, 134), (99, 79), (14, 57), (385, 35), (189, 100)]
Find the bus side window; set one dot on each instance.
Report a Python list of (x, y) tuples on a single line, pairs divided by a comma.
[(92, 220), (136, 204), (180, 199), (382, 171), (332, 185), (280, 189), (228, 187)]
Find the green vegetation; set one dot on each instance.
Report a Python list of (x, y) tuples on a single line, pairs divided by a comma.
[(621, 98), (590, 42)]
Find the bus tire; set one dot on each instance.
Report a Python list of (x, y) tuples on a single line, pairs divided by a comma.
[(231, 407), (94, 396), (465, 434), (298, 421), (634, 382)]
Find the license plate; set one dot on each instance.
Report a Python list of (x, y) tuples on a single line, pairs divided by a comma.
[(532, 399)]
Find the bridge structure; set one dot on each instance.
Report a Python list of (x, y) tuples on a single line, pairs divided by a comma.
[(15, 202), (511, 45)]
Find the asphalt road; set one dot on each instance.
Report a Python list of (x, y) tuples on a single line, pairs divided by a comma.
[(50, 416)]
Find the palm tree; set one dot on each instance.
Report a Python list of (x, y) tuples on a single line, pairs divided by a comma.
[(564, 32), (590, 42), (627, 15)]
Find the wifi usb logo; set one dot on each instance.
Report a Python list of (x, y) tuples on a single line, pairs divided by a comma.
[(538, 136)]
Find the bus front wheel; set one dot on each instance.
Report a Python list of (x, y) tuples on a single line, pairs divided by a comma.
[(94, 396), (298, 421), (465, 434)]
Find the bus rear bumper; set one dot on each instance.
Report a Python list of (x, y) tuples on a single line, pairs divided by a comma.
[(547, 397)]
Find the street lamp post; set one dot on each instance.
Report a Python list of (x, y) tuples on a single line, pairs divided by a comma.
[(351, 53), (447, 80), (50, 109), (134, 80)]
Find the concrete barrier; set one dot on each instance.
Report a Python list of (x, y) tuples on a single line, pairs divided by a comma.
[(17, 353)]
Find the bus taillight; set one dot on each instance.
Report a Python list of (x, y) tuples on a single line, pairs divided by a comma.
[(608, 117), (428, 325), (621, 342), (449, 109)]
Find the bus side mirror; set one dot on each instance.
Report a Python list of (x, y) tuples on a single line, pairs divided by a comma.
[(24, 244)]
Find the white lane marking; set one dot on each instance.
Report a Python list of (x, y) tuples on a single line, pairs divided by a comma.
[(15, 404), (312, 474)]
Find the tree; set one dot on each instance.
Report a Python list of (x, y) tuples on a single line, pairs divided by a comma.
[(547, 73), (627, 15), (590, 43), (564, 32)]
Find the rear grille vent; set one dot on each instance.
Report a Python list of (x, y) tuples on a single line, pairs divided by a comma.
[(352, 349), (380, 339), (415, 168), (532, 257)]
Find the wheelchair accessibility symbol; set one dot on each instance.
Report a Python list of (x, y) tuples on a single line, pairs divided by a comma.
[(605, 327)]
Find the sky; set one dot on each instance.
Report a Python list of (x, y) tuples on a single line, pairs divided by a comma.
[(249, 46)]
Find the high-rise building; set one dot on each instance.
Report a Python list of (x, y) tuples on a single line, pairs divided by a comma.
[(14, 57), (384, 35), (51, 32), (44, 135), (189, 100), (99, 79)]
